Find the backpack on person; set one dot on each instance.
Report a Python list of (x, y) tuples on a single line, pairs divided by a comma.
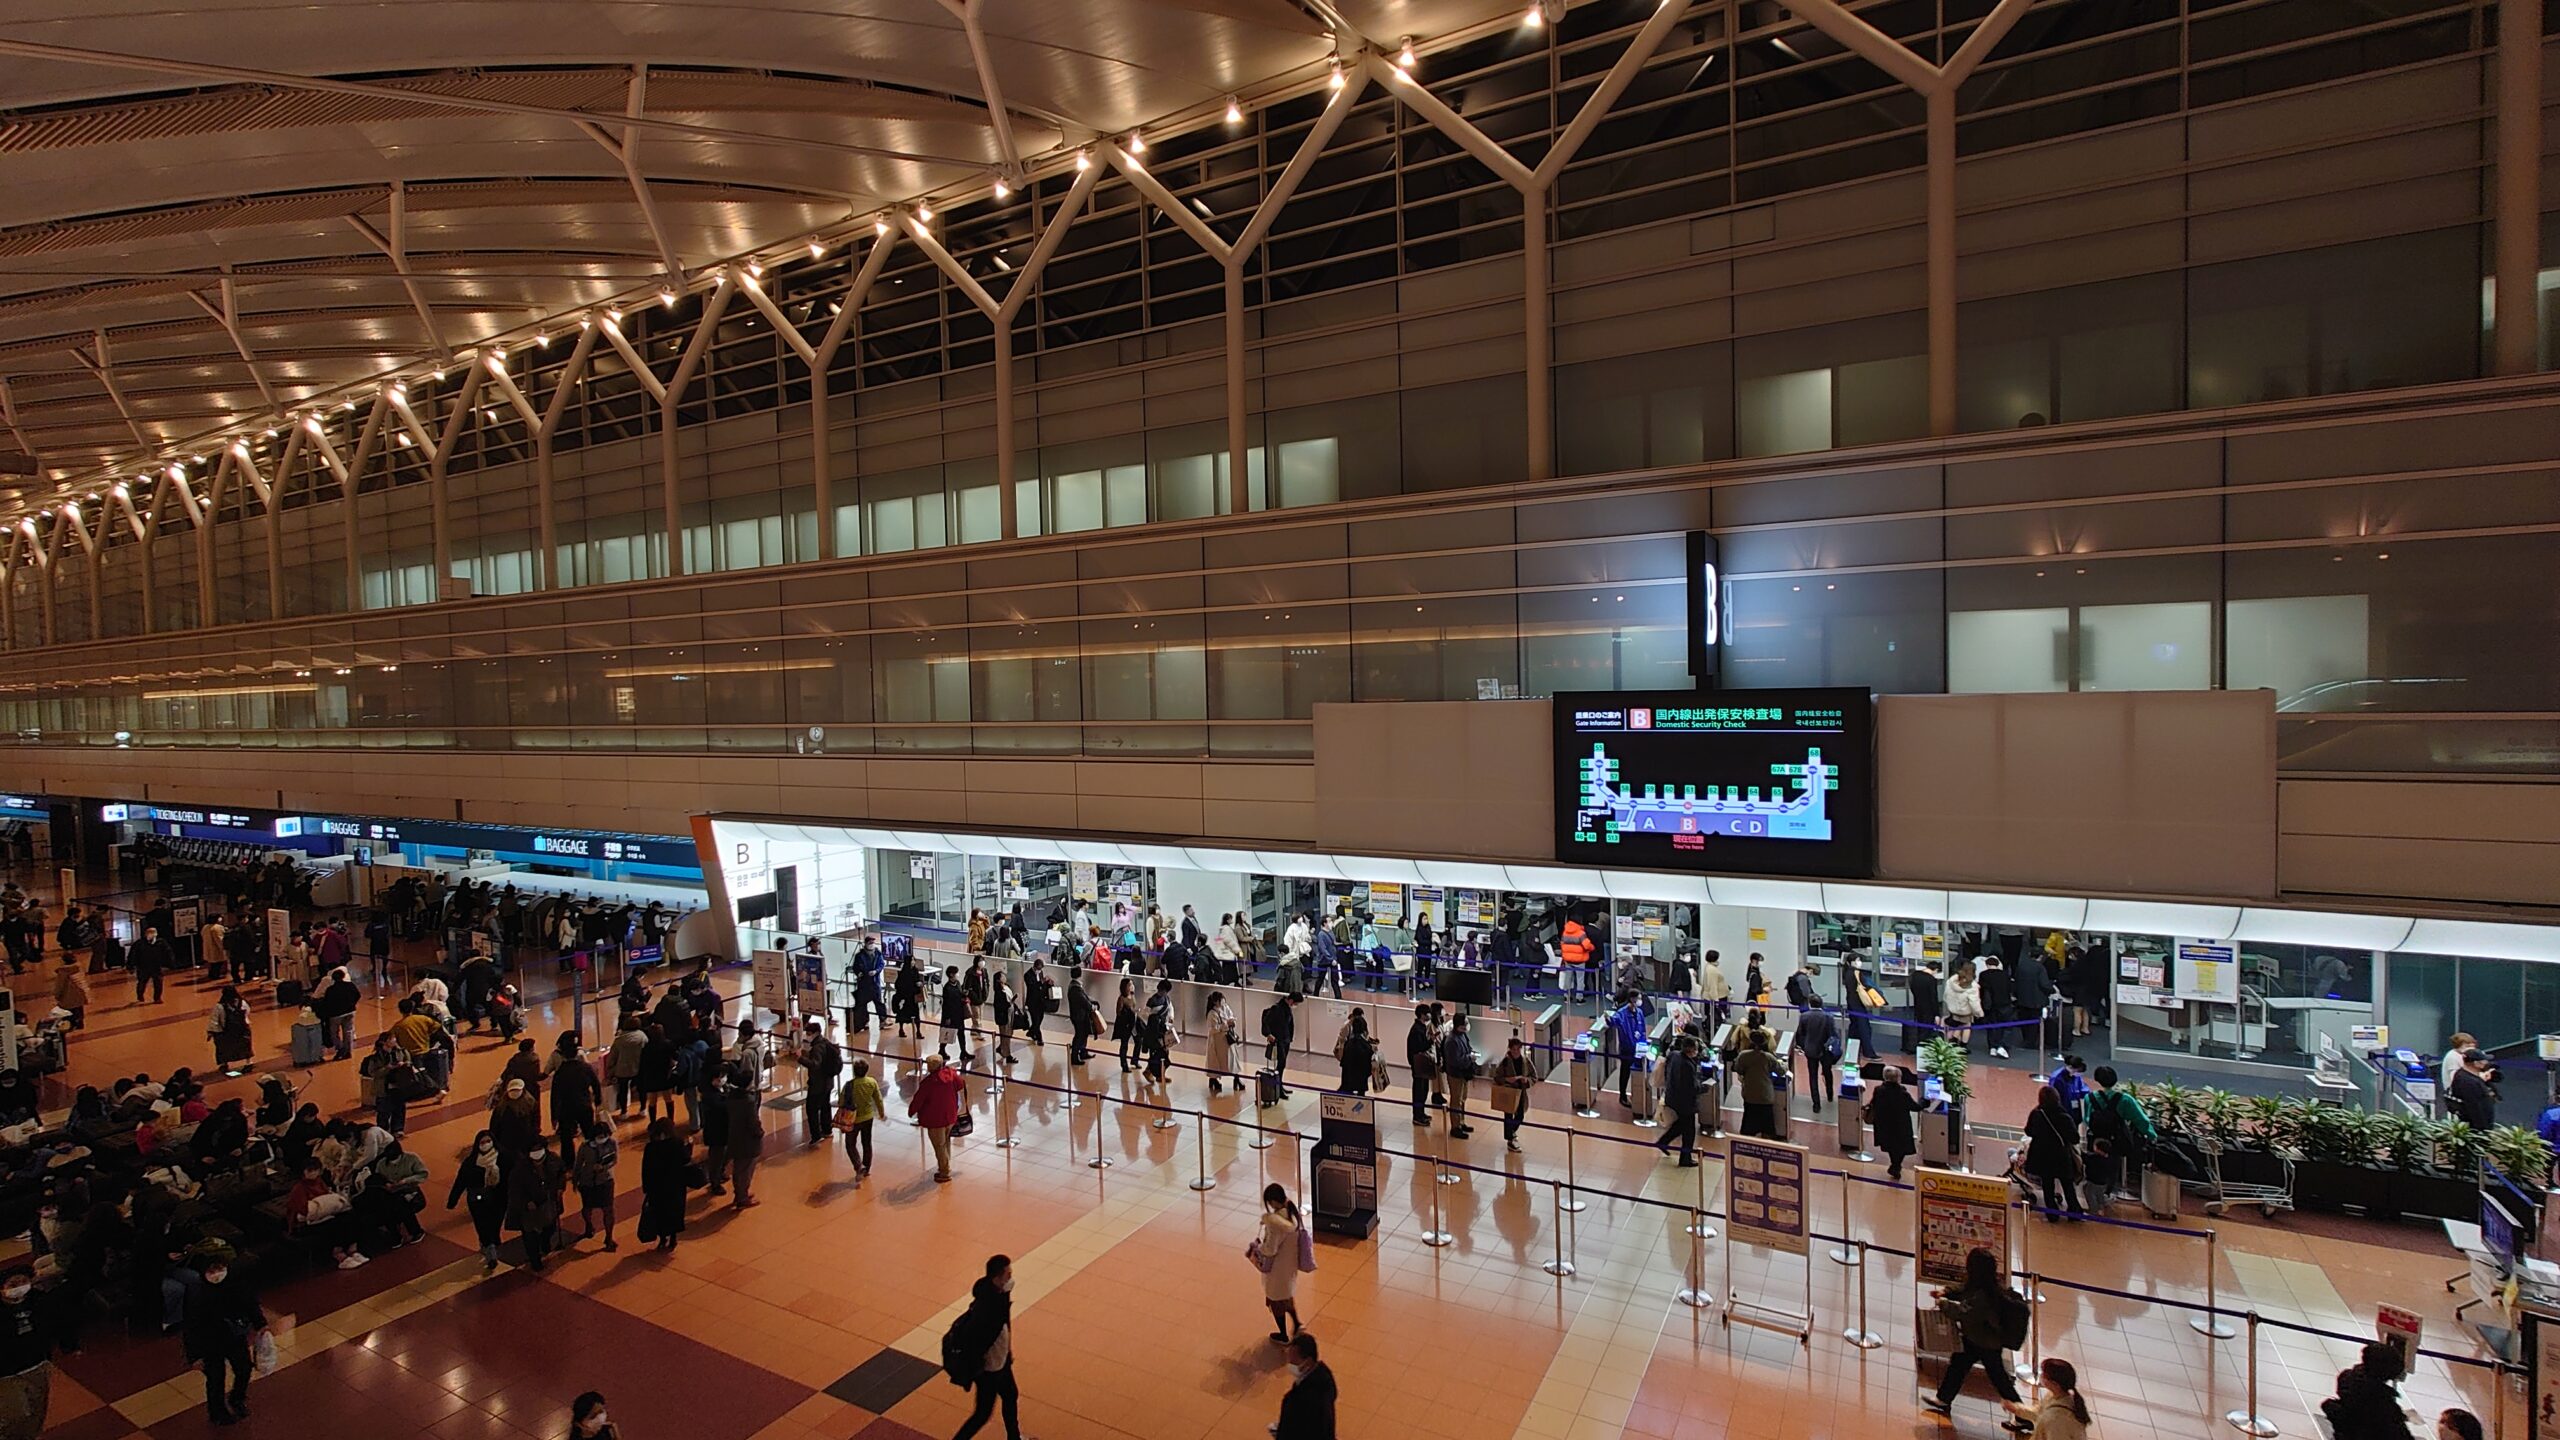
[(2010, 1313), (964, 1351)]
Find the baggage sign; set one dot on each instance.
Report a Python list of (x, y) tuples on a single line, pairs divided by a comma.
[(1764, 1194), (1956, 1214)]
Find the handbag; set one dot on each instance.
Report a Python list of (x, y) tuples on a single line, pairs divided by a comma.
[(1253, 1254), (966, 1125), (1306, 1251)]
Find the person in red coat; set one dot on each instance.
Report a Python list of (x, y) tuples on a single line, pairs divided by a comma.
[(939, 1098)]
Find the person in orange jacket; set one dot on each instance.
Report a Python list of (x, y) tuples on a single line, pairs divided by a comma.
[(1577, 952)]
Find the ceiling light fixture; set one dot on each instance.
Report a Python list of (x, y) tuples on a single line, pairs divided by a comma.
[(755, 271), (1235, 111), (817, 250), (667, 298), (1404, 54), (1003, 191), (1137, 143), (924, 210), (1333, 79), (880, 225), (1536, 16)]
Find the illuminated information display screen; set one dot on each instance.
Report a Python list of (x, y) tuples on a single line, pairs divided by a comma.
[(1770, 782)]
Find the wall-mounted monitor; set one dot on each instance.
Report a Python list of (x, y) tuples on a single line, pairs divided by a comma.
[(1760, 782)]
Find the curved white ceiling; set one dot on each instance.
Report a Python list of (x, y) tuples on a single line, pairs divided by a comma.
[(150, 147)]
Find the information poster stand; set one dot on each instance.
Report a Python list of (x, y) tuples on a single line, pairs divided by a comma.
[(772, 981), (2542, 1365), (1955, 1214), (1764, 1196), (279, 937), (186, 917)]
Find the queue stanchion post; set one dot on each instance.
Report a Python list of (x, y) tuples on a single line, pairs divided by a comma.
[(1699, 1229), (1164, 1119), (1200, 1137), (2246, 1419), (1445, 1175), (1005, 1138), (1099, 1161), (2210, 1324), (2026, 1255), (1559, 1267), (2024, 1370), (1858, 1334), (1847, 1252), (1695, 1294), (1435, 1237), (1261, 1133), (1574, 1204)]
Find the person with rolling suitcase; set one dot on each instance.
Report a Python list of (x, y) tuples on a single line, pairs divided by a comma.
[(1279, 1030), (2120, 1135)]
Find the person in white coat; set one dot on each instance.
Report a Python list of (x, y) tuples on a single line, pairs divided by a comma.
[(1963, 1001)]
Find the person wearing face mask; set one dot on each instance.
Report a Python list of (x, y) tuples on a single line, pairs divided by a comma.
[(587, 1419), (483, 1178), (991, 1314), (1306, 1412), (223, 1319), (1280, 1250), (28, 1336), (533, 1202)]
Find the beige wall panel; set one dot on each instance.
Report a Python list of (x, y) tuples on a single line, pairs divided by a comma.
[(2153, 793), (1412, 777)]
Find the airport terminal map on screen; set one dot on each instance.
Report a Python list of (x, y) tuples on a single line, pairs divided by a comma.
[(1778, 782)]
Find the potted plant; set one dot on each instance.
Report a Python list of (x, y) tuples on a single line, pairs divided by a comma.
[(1945, 1139), (2266, 1132), (2172, 1106), (2519, 1153), (2337, 1170)]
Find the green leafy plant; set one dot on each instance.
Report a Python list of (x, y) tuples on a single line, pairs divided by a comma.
[(1947, 1060), (2272, 1122), (2405, 1141), (2338, 1135), (2174, 1108), (2522, 1154), (2458, 1147), (2220, 1117)]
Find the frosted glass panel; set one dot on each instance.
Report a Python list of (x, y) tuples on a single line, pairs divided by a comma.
[(1783, 414), (1124, 495), (979, 518), (1310, 471), (1186, 487), (1077, 501), (2293, 644), (2147, 647), (2004, 652)]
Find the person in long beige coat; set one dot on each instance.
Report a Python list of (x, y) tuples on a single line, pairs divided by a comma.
[(71, 991)]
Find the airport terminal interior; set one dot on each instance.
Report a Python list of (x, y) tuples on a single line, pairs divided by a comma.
[(1194, 719)]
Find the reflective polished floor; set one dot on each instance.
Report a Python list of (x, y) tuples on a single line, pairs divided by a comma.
[(818, 1313)]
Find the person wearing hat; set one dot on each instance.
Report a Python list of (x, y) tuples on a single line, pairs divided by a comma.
[(515, 1120)]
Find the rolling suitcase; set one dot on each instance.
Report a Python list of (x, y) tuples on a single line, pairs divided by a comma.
[(309, 1045), (1266, 1087), (288, 994), (2160, 1194)]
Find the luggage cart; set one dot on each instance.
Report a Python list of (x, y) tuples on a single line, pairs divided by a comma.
[(2220, 1194)]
